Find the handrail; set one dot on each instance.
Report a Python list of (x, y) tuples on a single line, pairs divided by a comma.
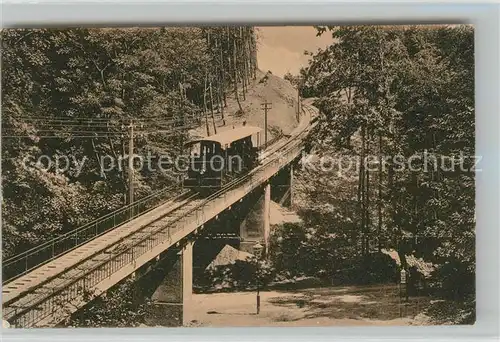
[(125, 248), (47, 251), (124, 254)]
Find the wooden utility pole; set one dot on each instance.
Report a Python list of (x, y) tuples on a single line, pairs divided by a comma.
[(265, 106), (379, 229), (183, 118), (131, 167)]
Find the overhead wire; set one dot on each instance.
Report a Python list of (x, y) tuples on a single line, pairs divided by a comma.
[(81, 133), (66, 127), (103, 120)]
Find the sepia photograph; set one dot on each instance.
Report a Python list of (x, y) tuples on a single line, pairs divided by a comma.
[(238, 176)]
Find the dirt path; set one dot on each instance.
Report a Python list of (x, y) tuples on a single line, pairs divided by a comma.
[(335, 306)]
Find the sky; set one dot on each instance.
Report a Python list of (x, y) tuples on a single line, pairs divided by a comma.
[(281, 48)]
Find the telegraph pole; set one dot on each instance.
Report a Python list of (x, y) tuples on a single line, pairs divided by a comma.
[(265, 106), (131, 167)]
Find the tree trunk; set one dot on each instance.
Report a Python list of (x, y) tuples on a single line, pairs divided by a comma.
[(379, 226), (367, 206), (249, 53), (362, 185), (395, 228), (230, 56), (124, 153), (236, 74), (221, 104), (212, 106), (222, 75), (402, 257), (183, 119), (205, 110), (243, 63), (254, 53)]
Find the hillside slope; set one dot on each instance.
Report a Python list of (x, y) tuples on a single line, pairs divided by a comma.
[(266, 87)]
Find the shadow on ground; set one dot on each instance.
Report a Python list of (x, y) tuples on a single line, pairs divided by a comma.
[(380, 302)]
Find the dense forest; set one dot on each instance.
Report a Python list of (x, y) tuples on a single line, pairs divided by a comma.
[(402, 100), (83, 93), (396, 124)]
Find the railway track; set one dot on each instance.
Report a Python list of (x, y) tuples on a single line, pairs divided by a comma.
[(65, 282), (26, 261), (86, 258)]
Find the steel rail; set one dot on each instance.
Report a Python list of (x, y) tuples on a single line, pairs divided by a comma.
[(48, 248), (124, 248), (82, 235), (181, 199), (54, 291)]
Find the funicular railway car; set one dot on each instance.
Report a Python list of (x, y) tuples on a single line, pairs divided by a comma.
[(216, 160)]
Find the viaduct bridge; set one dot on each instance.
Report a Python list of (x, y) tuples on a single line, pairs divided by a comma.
[(48, 283)]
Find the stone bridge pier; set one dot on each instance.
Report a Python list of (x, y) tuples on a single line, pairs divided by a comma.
[(172, 288), (282, 187), (240, 226), (256, 227)]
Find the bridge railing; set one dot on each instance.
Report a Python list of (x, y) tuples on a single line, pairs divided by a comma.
[(43, 307), (129, 250), (24, 262), (48, 305)]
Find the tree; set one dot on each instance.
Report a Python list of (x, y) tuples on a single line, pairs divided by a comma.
[(407, 91), (74, 92)]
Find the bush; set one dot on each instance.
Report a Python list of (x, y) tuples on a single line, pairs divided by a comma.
[(369, 269), (241, 275), (121, 306), (453, 312), (454, 280)]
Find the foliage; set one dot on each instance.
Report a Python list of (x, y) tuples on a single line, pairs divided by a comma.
[(73, 92), (240, 275), (299, 251), (375, 268), (453, 312), (121, 307), (455, 282), (405, 92), (294, 80)]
